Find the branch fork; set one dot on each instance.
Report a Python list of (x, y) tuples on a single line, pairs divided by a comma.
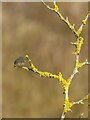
[(64, 82)]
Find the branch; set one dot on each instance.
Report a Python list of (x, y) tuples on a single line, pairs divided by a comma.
[(82, 100), (78, 45), (66, 20), (80, 40), (21, 61), (77, 66), (68, 105), (18, 63), (83, 23)]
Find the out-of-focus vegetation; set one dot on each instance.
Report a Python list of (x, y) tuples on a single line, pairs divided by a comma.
[(30, 28)]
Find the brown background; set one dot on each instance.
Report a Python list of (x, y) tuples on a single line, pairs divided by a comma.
[(30, 28)]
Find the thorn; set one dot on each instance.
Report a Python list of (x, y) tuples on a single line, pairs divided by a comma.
[(73, 43), (54, 3), (25, 68), (67, 19), (82, 102), (26, 56), (86, 62), (77, 71), (74, 25)]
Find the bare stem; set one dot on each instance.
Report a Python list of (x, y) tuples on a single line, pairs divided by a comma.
[(82, 100)]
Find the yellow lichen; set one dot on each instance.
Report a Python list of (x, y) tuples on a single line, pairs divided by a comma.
[(78, 65), (67, 105), (34, 68), (45, 74), (65, 83), (56, 8), (84, 22), (79, 45), (79, 31)]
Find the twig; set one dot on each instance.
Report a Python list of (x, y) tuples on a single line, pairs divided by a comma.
[(82, 100)]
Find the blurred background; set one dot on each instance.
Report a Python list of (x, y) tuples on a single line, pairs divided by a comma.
[(31, 28)]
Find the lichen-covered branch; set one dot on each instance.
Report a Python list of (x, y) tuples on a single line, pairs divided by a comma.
[(32, 67), (65, 20), (20, 62), (83, 23), (78, 45)]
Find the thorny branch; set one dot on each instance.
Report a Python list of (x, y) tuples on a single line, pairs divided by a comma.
[(19, 62)]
